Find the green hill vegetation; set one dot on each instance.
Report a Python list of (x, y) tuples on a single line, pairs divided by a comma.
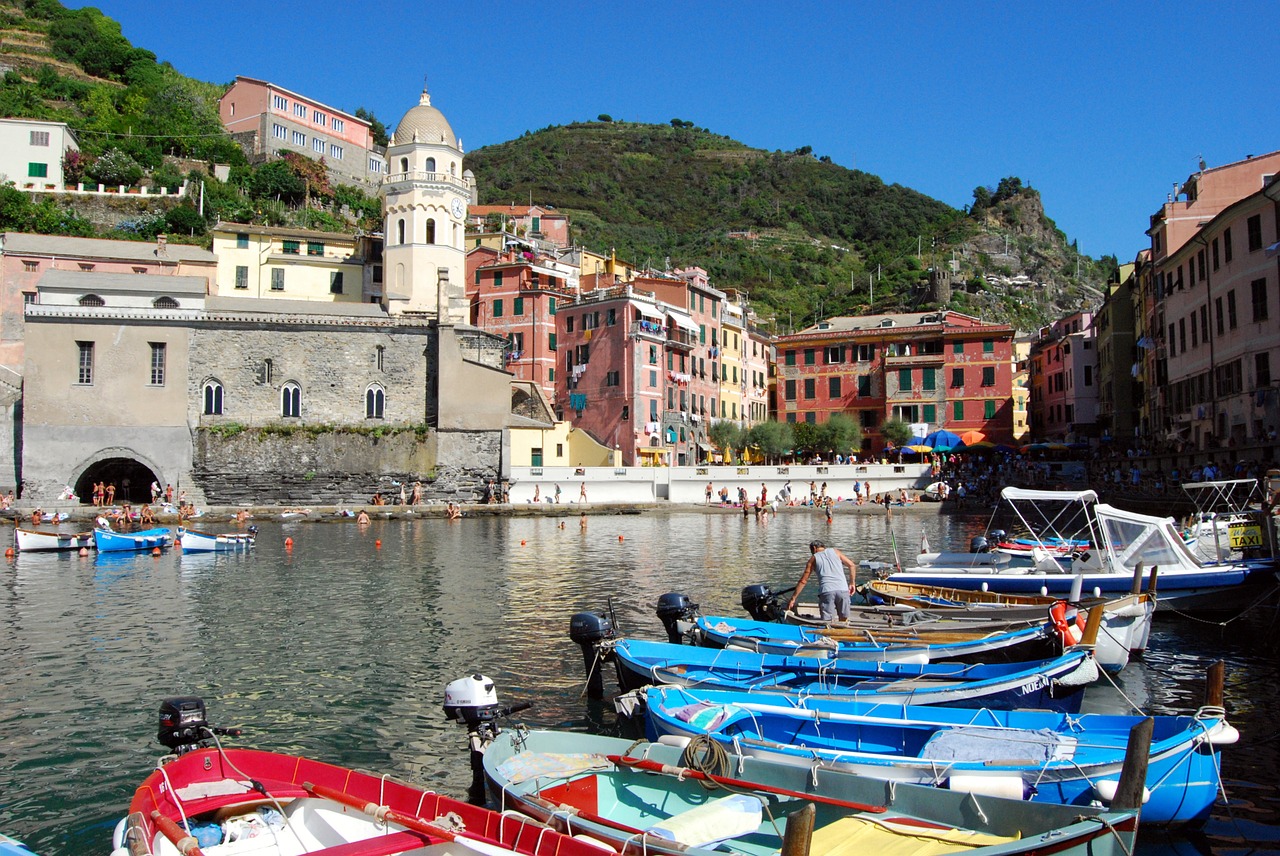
[(138, 120), (805, 237)]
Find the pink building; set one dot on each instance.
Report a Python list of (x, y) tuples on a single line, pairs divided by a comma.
[(267, 120), (1064, 380), (1214, 340), (532, 221), (640, 372), (25, 258), (517, 295)]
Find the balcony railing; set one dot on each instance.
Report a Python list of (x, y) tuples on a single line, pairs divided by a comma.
[(430, 177)]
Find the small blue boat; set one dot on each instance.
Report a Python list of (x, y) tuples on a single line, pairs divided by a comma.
[(119, 542), (1048, 685), (767, 637), (1023, 754)]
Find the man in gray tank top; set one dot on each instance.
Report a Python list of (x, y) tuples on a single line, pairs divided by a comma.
[(833, 592)]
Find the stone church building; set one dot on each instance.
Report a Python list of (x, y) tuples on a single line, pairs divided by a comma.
[(153, 376)]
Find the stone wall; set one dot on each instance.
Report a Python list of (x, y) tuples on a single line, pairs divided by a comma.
[(107, 212), (342, 468)]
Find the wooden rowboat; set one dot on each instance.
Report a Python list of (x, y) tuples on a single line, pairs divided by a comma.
[(34, 540), (223, 542)]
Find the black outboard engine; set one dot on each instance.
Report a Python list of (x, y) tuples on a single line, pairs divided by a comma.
[(184, 726), (995, 536), (759, 602), (673, 608), (762, 603), (978, 544), (472, 701), (588, 629)]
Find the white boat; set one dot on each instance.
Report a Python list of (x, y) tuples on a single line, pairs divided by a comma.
[(1229, 521), (1124, 545), (33, 540), (223, 542)]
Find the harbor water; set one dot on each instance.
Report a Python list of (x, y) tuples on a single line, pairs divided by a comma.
[(340, 646)]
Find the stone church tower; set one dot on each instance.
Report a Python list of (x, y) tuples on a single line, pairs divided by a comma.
[(424, 204)]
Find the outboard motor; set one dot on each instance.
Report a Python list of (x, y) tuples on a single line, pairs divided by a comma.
[(472, 701), (760, 602), (997, 535), (978, 544), (588, 629), (184, 726), (673, 608)]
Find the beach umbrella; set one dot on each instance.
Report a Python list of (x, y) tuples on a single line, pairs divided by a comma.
[(980, 446), (1055, 447), (942, 438), (918, 449), (918, 441), (1006, 450), (971, 437), (1034, 447)]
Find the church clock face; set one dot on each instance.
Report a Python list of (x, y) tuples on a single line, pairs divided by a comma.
[(457, 208)]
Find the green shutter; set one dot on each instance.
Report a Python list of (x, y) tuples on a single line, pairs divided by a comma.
[(957, 347), (989, 408), (551, 341), (551, 306), (904, 379), (518, 306), (926, 381), (497, 308), (988, 346), (957, 411), (930, 413)]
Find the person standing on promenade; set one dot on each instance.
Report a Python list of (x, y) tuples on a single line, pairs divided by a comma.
[(582, 492), (710, 490), (833, 593), (557, 494)]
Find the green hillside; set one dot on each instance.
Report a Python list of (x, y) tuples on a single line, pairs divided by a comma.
[(805, 237), (139, 121)]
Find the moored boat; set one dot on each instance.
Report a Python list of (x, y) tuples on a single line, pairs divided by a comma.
[(1051, 684), (192, 541), (1023, 754), (889, 645), (223, 801), (35, 540), (651, 798), (1127, 544), (109, 541)]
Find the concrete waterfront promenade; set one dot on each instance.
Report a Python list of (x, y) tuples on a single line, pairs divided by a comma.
[(609, 490)]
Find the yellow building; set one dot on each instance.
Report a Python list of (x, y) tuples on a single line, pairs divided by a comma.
[(561, 445), (1021, 390), (294, 264)]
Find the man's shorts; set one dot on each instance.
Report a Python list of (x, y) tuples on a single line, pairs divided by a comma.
[(832, 604)]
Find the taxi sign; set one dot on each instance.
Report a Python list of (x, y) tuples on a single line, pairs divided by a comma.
[(1245, 535)]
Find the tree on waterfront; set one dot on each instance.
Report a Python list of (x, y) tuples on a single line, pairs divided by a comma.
[(771, 439), (726, 436), (895, 431), (839, 435)]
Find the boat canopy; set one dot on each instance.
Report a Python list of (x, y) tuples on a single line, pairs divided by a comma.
[(1029, 495), (1134, 538)]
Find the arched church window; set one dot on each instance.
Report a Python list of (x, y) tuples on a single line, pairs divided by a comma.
[(431, 231), (375, 400), (164, 302), (431, 165), (291, 400), (453, 168), (92, 300), (212, 398), (400, 231), (404, 164)]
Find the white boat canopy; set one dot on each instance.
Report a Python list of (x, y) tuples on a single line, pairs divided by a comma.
[(1029, 495)]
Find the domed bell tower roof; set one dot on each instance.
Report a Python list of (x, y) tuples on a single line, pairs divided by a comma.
[(424, 124)]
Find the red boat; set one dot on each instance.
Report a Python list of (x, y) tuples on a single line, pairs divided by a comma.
[(218, 802)]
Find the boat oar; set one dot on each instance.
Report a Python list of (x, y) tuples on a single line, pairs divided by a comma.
[(386, 814), (185, 843), (689, 773)]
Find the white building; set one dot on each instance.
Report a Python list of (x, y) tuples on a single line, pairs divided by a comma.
[(31, 153)]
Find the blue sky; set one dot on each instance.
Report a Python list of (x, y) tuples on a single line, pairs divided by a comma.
[(1100, 106)]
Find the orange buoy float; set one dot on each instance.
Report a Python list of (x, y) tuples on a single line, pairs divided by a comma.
[(619, 538), (377, 544), (523, 542), (155, 551), (288, 543), (84, 551), (8, 553)]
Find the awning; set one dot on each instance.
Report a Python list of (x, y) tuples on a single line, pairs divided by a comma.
[(646, 310), (683, 321), (706, 447)]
